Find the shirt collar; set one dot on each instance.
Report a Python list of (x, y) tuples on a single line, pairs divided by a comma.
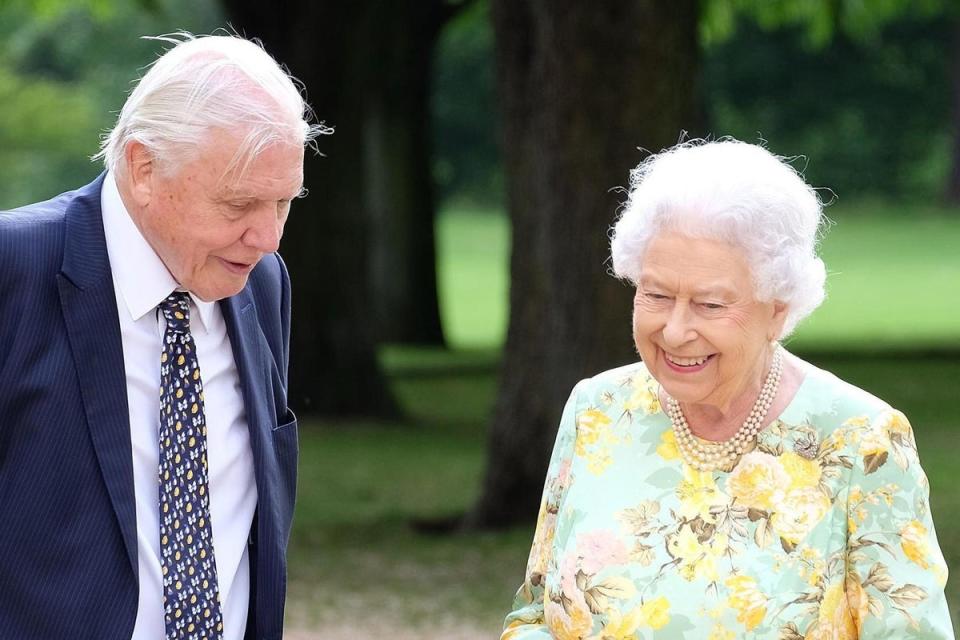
[(139, 274)]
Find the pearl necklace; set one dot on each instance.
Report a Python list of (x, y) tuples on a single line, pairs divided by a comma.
[(718, 455)]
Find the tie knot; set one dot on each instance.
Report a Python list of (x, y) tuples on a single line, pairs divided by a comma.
[(176, 311)]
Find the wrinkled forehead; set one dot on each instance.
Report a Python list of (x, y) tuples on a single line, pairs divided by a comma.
[(253, 161), (697, 264)]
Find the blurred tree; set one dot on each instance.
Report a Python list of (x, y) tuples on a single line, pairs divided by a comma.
[(334, 369), (850, 108), (581, 85), (65, 67), (368, 66), (377, 221), (842, 81), (952, 192), (466, 166)]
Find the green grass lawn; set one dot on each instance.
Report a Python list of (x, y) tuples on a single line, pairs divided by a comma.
[(894, 279), (361, 568)]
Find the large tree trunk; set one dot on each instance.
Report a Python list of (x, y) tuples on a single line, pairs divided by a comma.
[(397, 152), (582, 86), (334, 369)]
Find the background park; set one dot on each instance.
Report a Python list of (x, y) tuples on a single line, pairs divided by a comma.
[(449, 264)]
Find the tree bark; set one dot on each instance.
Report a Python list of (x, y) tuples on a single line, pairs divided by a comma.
[(581, 87), (334, 370), (397, 153)]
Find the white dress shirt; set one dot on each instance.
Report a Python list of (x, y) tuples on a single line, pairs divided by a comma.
[(141, 282)]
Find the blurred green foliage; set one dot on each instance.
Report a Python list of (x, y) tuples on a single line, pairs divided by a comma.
[(870, 117), (65, 69), (820, 20), (466, 166), (861, 91)]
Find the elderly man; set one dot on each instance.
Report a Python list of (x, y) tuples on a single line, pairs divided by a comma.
[(147, 454)]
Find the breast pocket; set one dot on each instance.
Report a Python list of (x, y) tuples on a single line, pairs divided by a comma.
[(286, 445)]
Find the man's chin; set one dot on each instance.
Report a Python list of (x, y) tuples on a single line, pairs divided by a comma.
[(213, 293)]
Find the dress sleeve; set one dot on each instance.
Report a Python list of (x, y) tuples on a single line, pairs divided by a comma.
[(526, 620), (895, 570)]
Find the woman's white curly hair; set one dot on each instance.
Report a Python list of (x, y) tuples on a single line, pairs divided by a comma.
[(738, 193)]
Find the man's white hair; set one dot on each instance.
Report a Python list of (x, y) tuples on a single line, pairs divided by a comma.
[(207, 83), (737, 193)]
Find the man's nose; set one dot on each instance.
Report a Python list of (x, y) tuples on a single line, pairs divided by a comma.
[(265, 230)]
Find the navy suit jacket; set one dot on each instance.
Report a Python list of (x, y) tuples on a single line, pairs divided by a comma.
[(68, 548)]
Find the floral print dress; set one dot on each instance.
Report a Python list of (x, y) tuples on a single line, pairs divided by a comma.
[(822, 530)]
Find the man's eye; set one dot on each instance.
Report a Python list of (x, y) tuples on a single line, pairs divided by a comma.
[(240, 205), (656, 296)]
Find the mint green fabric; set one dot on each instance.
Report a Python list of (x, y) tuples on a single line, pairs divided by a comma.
[(823, 530)]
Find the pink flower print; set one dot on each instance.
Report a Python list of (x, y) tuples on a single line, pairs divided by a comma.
[(600, 549)]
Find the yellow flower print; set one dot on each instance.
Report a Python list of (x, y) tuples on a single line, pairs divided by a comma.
[(656, 613), (590, 426), (857, 421), (798, 513), (857, 600), (644, 396), (802, 472), (598, 462), (573, 622), (835, 441), (541, 549), (874, 443), (622, 627), (834, 621), (940, 575), (667, 448), (812, 565), (855, 496), (758, 481), (698, 492), (749, 602), (914, 541), (697, 560), (514, 628), (719, 632), (897, 423)]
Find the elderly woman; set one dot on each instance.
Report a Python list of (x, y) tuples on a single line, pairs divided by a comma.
[(723, 488)]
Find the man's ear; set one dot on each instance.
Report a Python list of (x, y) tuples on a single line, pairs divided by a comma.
[(140, 168)]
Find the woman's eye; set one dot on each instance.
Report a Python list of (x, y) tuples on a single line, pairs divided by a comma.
[(711, 306)]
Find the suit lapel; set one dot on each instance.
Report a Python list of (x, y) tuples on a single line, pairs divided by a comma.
[(250, 354), (248, 344), (89, 308)]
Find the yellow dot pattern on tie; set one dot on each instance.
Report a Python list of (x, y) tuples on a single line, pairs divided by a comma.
[(192, 609)]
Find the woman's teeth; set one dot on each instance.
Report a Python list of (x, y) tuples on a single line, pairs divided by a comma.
[(687, 362)]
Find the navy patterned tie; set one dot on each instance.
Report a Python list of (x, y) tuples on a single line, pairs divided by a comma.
[(191, 598)]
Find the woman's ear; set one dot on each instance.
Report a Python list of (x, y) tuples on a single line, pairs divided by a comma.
[(777, 320)]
